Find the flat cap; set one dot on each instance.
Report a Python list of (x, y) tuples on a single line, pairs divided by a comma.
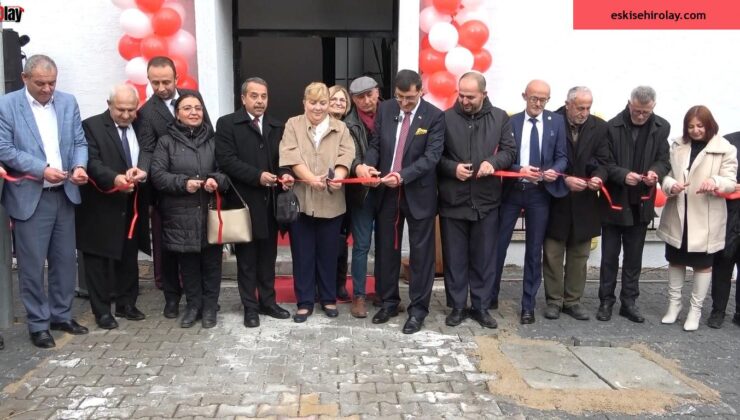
[(362, 84)]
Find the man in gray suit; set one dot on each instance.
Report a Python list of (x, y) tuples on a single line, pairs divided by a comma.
[(41, 140)]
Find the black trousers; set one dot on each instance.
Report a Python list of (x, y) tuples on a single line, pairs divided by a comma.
[(613, 240), (469, 251), (255, 263), (721, 281), (388, 238), (109, 280), (171, 276), (201, 276)]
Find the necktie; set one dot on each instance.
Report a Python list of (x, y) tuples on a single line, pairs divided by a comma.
[(126, 148), (398, 162), (256, 124), (534, 145), (171, 107)]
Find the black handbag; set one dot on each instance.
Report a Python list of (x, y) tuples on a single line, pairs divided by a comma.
[(287, 207)]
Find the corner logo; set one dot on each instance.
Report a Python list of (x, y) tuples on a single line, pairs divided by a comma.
[(11, 13)]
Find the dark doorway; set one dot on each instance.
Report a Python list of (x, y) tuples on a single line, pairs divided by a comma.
[(291, 43)]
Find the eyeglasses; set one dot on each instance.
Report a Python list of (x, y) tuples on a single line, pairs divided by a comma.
[(535, 100), (407, 98), (341, 100), (640, 113), (189, 109)]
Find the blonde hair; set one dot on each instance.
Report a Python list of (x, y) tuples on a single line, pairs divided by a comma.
[(316, 91), (339, 88)]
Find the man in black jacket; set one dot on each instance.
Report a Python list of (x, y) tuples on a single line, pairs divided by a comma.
[(478, 142), (574, 219), (247, 151), (638, 140)]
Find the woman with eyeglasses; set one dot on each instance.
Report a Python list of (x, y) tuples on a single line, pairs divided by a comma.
[(184, 171), (319, 150), (703, 164), (339, 102)]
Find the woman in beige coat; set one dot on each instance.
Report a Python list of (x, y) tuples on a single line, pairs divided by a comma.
[(693, 221), (318, 149)]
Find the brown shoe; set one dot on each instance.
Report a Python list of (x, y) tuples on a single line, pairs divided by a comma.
[(358, 307)]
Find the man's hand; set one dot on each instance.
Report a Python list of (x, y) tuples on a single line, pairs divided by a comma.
[(486, 169), (365, 171), (550, 175), (707, 186), (210, 185), (267, 179), (632, 178), (3, 172), (79, 176), (595, 183), (122, 183), (193, 185), (287, 181), (463, 171), (135, 175), (531, 173), (650, 179), (392, 180), (575, 184), (54, 175)]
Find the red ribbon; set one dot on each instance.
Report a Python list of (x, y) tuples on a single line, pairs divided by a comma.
[(730, 196), (220, 221), (14, 179), (118, 188)]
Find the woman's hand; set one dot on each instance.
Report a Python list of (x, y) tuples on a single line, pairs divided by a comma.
[(193, 185), (678, 188), (210, 185), (287, 181), (707, 186), (318, 183)]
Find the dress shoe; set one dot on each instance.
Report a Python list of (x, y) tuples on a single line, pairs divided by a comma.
[(577, 311), (342, 294), (384, 315), (71, 327), (107, 322), (483, 318), (130, 312), (494, 305), (43, 339), (252, 318), (736, 318), (412, 325), (330, 312), (359, 309), (455, 318), (171, 309), (632, 313), (605, 312), (302, 317), (716, 318), (527, 317), (191, 315), (209, 319), (2, 342), (552, 311), (274, 311)]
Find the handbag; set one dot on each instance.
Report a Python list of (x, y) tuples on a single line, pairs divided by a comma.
[(287, 207), (229, 226)]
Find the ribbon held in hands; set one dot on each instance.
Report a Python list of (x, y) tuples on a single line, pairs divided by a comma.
[(118, 188)]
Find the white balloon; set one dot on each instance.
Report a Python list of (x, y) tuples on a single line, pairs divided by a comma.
[(472, 4), (443, 36), (467, 14), (459, 60), (183, 44), (179, 8), (135, 23), (124, 4), (149, 90), (429, 16), (136, 70)]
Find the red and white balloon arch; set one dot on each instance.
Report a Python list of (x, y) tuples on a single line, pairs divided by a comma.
[(454, 33), (154, 28)]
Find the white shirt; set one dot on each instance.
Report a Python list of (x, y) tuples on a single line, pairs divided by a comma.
[(133, 143), (320, 130), (170, 105), (526, 133), (398, 130), (46, 121)]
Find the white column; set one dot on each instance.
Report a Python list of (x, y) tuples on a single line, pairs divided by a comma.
[(408, 34), (213, 34)]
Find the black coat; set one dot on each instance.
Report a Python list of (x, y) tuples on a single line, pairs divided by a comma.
[(488, 136), (181, 155), (356, 193), (732, 238), (102, 221), (655, 158), (576, 217), (243, 154)]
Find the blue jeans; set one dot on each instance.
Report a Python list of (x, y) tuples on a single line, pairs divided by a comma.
[(362, 230)]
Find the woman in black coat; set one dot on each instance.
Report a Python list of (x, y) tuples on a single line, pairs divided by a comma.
[(184, 171)]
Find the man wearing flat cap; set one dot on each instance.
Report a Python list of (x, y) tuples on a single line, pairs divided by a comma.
[(361, 199)]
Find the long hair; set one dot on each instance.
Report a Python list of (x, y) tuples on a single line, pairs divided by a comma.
[(704, 115)]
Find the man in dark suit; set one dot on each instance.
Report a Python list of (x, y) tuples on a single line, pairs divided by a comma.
[(638, 141), (247, 151), (542, 155), (154, 117), (574, 219), (104, 219), (41, 137), (478, 141), (405, 148)]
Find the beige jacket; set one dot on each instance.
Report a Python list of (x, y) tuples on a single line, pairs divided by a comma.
[(707, 213), (335, 149)]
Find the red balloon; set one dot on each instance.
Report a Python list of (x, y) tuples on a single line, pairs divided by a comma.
[(140, 89), (473, 34), (129, 47), (442, 84), (149, 6), (447, 7), (482, 60), (660, 198), (181, 65), (166, 22), (425, 42), (431, 60), (153, 46), (186, 81)]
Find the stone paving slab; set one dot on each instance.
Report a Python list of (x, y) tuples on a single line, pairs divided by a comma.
[(625, 368), (551, 366)]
